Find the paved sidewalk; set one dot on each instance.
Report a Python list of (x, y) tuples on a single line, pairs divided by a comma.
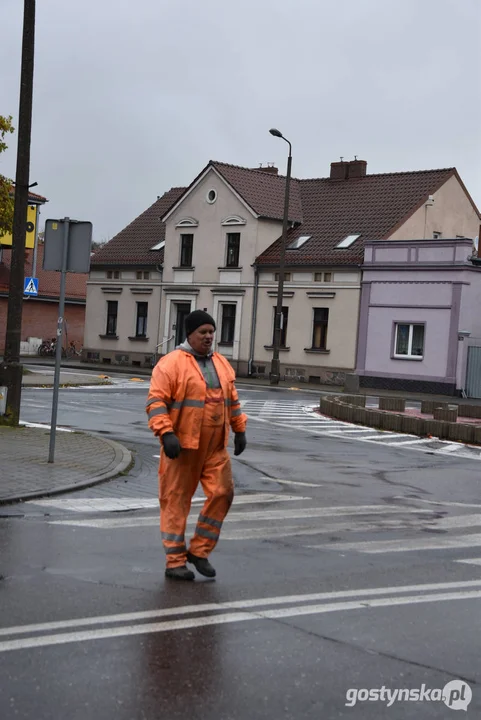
[(67, 379), (81, 460)]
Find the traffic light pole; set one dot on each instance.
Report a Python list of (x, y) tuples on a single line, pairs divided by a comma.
[(11, 370)]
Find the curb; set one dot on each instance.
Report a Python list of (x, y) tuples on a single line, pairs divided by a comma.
[(123, 459), (350, 408)]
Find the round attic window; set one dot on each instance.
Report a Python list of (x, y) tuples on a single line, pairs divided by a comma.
[(212, 196)]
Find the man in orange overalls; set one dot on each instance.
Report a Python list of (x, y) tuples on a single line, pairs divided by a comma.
[(192, 405)]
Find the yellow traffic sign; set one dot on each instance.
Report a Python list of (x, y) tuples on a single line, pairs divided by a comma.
[(31, 224)]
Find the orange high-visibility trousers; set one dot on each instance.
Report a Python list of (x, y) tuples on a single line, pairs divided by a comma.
[(178, 480)]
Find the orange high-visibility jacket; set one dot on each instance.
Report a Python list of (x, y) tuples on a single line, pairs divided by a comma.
[(177, 396)]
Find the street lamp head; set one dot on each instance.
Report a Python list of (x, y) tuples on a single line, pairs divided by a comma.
[(276, 133)]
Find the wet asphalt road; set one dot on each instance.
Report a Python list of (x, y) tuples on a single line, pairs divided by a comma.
[(336, 572)]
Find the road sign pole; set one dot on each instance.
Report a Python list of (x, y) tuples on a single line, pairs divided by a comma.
[(58, 349)]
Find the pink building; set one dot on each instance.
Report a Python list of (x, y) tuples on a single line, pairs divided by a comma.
[(420, 319)]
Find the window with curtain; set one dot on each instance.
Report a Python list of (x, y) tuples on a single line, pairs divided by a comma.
[(186, 250), (319, 331), (284, 320), (227, 332), (233, 247), (141, 323), (409, 340), (112, 310)]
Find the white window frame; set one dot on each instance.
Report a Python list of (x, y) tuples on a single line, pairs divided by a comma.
[(220, 300), (409, 354)]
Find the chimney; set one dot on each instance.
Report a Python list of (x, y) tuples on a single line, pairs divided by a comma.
[(339, 170), (269, 168), (357, 168)]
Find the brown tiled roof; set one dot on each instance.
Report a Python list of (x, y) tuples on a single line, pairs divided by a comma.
[(373, 206), (32, 197), (132, 245), (262, 191), (48, 281)]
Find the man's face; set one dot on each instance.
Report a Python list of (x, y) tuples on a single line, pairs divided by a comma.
[(201, 339)]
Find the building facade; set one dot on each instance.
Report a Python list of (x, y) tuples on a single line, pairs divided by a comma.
[(419, 315), (215, 245)]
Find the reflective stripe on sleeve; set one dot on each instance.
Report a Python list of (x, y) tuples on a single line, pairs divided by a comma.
[(158, 411), (236, 413)]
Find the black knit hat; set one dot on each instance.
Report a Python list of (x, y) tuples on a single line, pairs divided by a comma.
[(196, 319)]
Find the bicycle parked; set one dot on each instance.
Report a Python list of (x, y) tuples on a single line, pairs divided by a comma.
[(72, 350)]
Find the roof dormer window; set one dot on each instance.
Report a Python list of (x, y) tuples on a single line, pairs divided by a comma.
[(298, 242), (348, 241)]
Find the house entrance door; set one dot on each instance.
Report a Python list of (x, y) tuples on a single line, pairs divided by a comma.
[(183, 309)]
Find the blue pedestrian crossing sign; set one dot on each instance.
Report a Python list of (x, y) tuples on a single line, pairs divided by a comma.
[(31, 286)]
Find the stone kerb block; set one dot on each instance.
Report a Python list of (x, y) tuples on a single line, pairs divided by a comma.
[(427, 406), (359, 416), (446, 414), (461, 432), (373, 418), (326, 406), (393, 404), (413, 425), (357, 400), (469, 411), (436, 428), (391, 421)]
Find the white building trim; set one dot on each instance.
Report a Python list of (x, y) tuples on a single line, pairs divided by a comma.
[(209, 169)]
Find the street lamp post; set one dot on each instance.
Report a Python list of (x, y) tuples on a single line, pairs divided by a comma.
[(275, 373)]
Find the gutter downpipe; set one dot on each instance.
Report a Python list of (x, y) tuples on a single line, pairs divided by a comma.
[(254, 320), (160, 270)]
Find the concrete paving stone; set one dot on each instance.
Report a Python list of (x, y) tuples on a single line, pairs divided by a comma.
[(81, 460)]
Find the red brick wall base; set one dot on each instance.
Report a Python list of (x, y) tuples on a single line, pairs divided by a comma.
[(39, 320)]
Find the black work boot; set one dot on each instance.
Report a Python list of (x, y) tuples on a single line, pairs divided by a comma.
[(202, 565), (179, 573)]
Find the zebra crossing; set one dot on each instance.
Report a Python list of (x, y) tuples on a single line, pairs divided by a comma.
[(378, 528), (298, 416)]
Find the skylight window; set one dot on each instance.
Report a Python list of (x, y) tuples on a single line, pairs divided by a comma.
[(298, 242), (348, 241), (159, 246)]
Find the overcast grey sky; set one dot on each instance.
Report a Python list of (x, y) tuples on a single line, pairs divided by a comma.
[(135, 96)]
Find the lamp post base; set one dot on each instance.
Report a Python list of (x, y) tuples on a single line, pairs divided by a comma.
[(275, 373)]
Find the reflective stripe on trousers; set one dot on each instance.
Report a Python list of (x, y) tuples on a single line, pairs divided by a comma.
[(178, 480)]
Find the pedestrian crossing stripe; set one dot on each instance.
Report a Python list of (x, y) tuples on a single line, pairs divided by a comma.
[(298, 416)]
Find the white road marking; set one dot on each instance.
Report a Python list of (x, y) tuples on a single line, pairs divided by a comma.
[(470, 561), (236, 604), (400, 443), (408, 545), (452, 447), (441, 502), (253, 516), (44, 426), (202, 621), (292, 482), (98, 505)]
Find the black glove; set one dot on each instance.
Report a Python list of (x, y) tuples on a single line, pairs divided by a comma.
[(171, 445), (240, 443)]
